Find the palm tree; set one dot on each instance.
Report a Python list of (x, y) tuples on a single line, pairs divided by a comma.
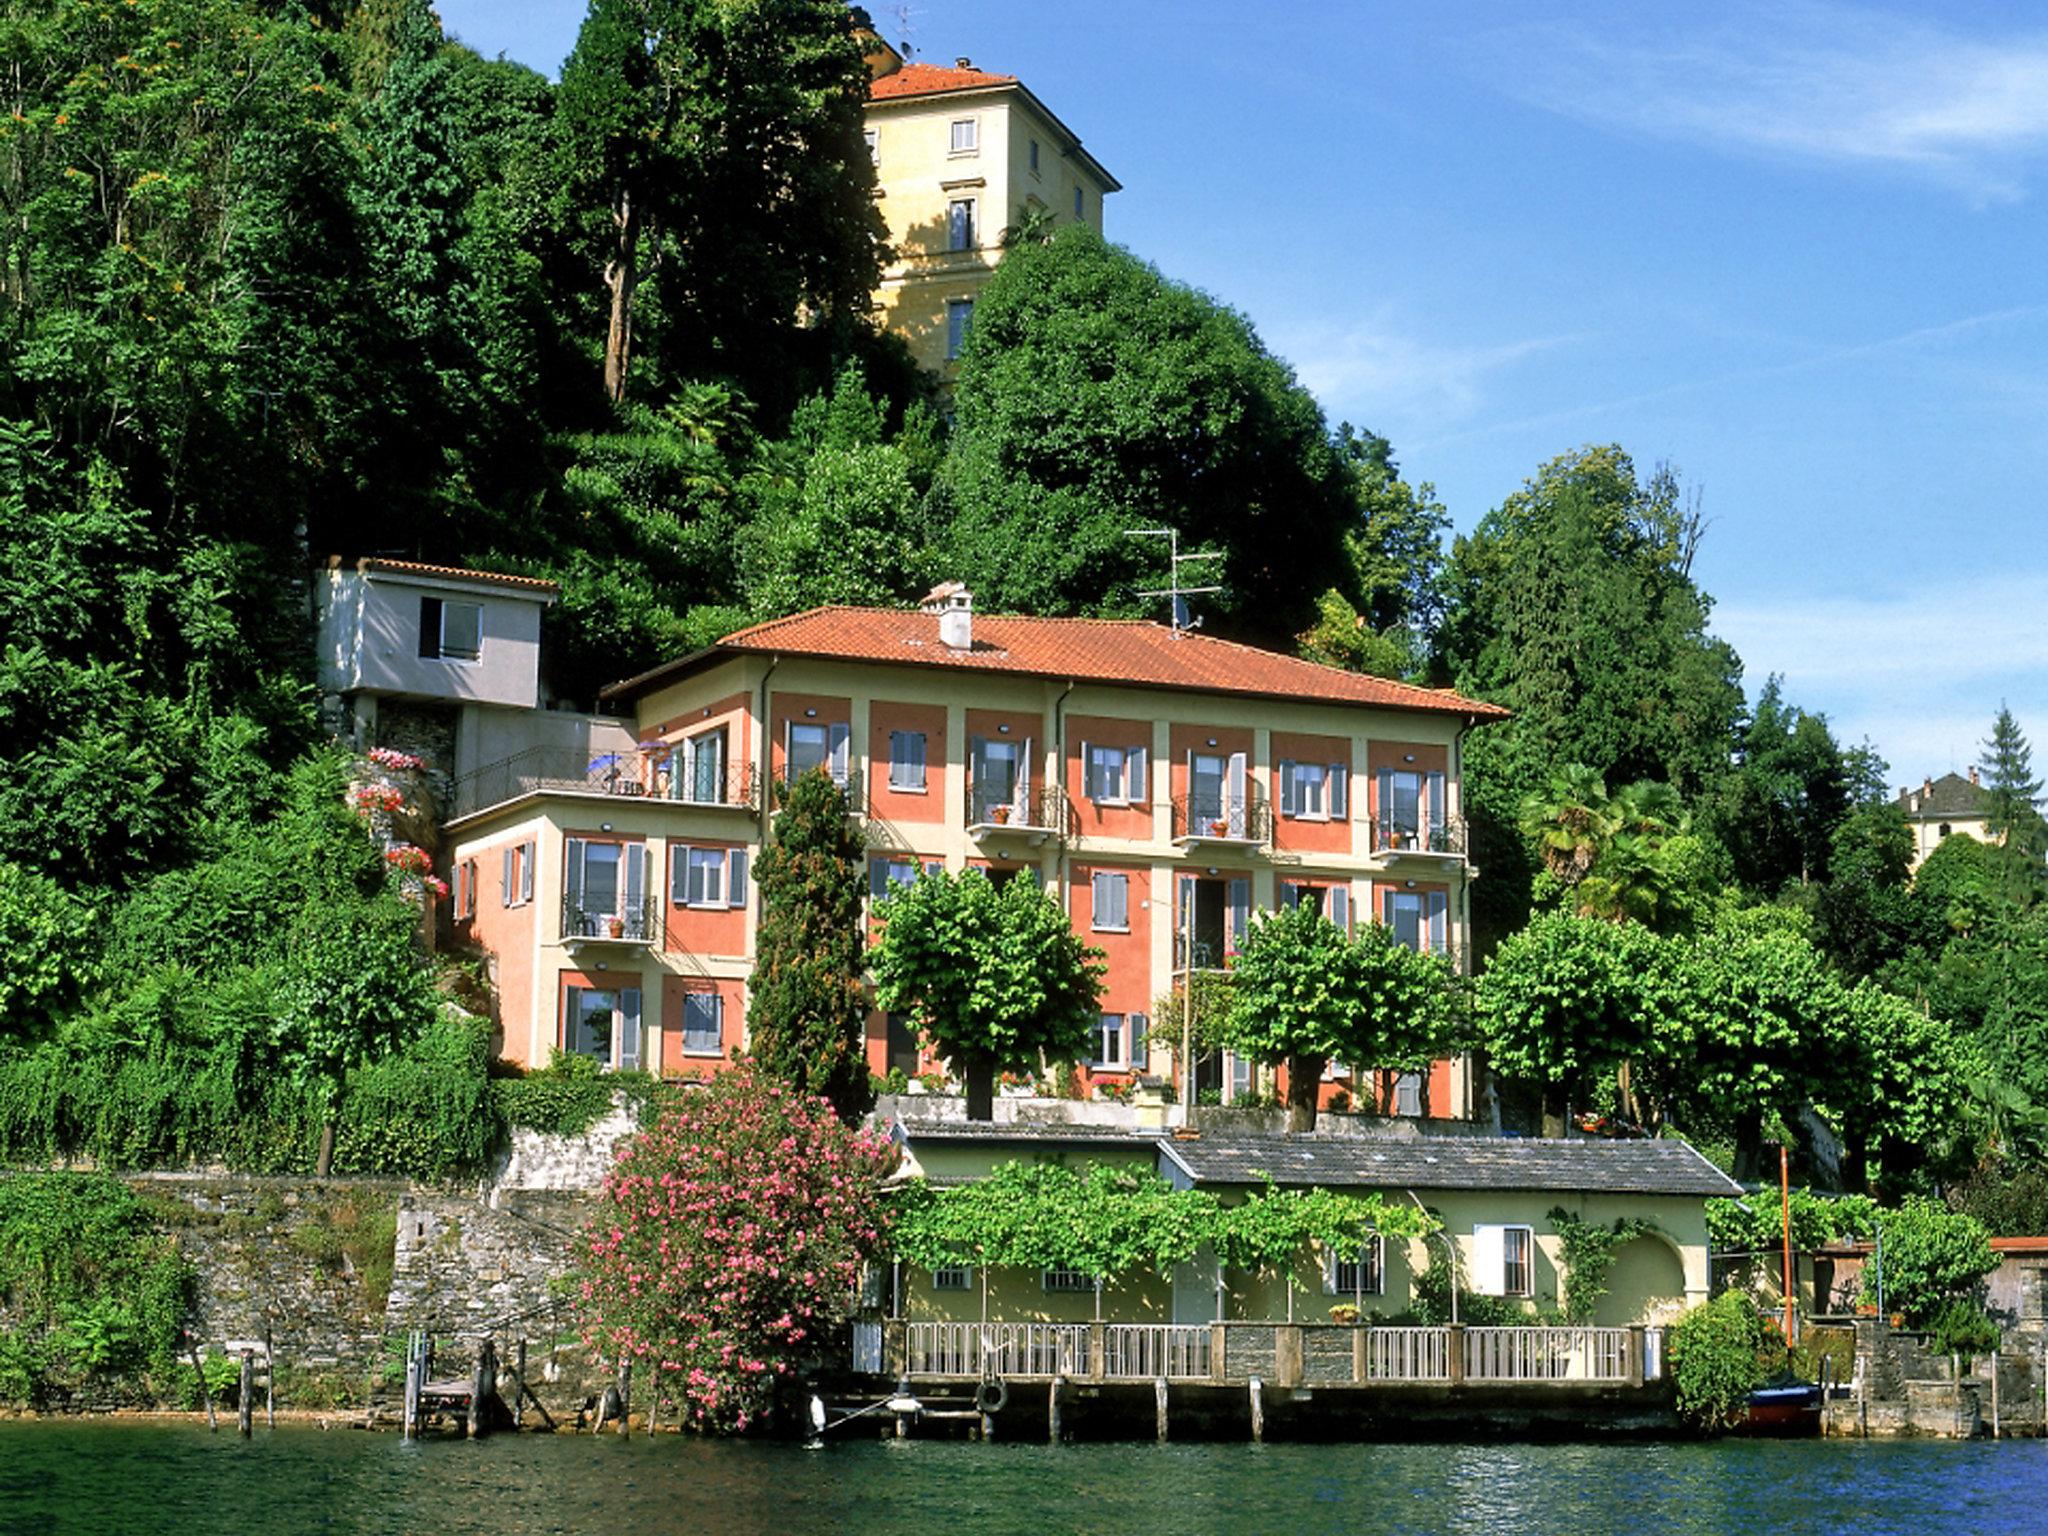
[(1570, 821)]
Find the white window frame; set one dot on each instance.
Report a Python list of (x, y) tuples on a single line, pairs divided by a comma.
[(689, 752), (1373, 1257), (1490, 1258), (953, 1277), (874, 141), (963, 230), (960, 145), (1121, 784), (518, 874), (1066, 1282), (1103, 1029), (1119, 905), (1528, 1245), (961, 310), (901, 765), (717, 1046), (731, 864), (1311, 781)]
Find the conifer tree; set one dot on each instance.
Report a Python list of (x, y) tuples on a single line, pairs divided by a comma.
[(2014, 819), (808, 1013)]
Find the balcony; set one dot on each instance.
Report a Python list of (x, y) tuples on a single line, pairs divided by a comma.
[(628, 774), (638, 923), (1444, 839), (1031, 819), (1222, 821)]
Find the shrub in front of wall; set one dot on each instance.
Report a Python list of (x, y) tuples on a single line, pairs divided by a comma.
[(567, 1096), (426, 1111), (1932, 1256), (1719, 1353)]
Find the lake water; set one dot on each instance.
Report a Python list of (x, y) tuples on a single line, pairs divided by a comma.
[(124, 1478)]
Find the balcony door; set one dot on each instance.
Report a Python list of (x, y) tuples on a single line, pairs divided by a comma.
[(1216, 796), (1000, 775), (603, 882)]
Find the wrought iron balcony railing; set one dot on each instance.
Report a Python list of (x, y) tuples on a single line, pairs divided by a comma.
[(1444, 837), (1245, 820), (1044, 813), (630, 772), (639, 923)]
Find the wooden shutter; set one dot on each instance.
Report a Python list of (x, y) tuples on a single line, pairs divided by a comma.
[(1134, 1045), (1436, 805), (678, 873), (1091, 781), (526, 862), (1234, 791), (1137, 780), (505, 886), (1183, 920), (839, 743), (736, 878), (1387, 908), (1290, 791), (1438, 907), (1489, 1261), (1290, 894), (1340, 906), (1020, 806), (1098, 899), (572, 1014), (636, 886), (1383, 812), (977, 779), (572, 873), (878, 879), (629, 1029), (1240, 910), (430, 627), (1340, 792)]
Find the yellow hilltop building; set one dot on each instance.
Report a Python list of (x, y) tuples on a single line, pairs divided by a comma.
[(960, 156)]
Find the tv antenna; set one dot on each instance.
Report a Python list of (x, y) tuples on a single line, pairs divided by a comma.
[(1174, 560)]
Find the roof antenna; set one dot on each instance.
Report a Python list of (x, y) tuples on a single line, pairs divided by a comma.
[(1173, 589)]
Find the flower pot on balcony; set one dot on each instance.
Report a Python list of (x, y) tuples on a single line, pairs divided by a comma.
[(615, 927), (1001, 813), (1344, 1314), (1219, 827)]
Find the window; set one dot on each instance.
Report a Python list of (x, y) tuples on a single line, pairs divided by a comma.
[(518, 877), (1364, 1274), (906, 761), (1077, 202), (1112, 901), (1418, 918), (602, 1023), (707, 877), (451, 631), (703, 1023), (700, 769), (953, 1277), (602, 882), (1034, 157), (1411, 812), (999, 780), (1503, 1261), (874, 149), (959, 312), (1114, 775), (1242, 1083), (1408, 1093), (1314, 791), (1120, 1042), (885, 874), (966, 136), (960, 224), (465, 890), (1067, 1281), (809, 745)]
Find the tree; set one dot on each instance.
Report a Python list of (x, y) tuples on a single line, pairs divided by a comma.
[(1779, 806), (807, 1015), (1096, 396), (1932, 1256), (996, 978), (1627, 856), (731, 1236), (1867, 915), (721, 143), (2013, 811), (1304, 994)]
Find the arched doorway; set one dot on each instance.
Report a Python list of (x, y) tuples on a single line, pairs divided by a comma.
[(1646, 1284)]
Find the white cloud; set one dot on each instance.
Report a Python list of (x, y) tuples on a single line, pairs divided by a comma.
[(1374, 373), (1920, 673), (1822, 82)]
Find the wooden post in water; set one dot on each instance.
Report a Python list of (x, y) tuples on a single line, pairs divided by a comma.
[(245, 1406), (1258, 1413), (625, 1394), (269, 1381), (205, 1393), (519, 1397), (1159, 1405), (409, 1409), (1052, 1413), (482, 1377), (1994, 1397), (653, 1396)]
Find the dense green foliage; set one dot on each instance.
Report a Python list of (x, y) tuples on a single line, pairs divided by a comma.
[(996, 978), (807, 1007), (1933, 1257), (88, 1288), (1588, 1252), (1720, 1353)]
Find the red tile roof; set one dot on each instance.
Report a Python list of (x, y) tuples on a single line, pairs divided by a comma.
[(930, 79), (460, 573), (1132, 652)]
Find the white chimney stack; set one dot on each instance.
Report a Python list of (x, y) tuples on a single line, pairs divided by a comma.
[(954, 605)]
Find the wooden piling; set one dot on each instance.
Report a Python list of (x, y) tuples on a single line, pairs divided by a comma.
[(988, 1426), (625, 1395), (409, 1410), (205, 1393), (1159, 1405), (519, 1397), (245, 1406), (482, 1379), (269, 1381), (1052, 1416), (1258, 1411)]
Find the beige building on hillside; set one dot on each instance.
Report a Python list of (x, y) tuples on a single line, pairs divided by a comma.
[(1941, 808), (960, 156)]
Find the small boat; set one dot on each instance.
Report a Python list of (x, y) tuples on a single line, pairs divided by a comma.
[(1783, 1410)]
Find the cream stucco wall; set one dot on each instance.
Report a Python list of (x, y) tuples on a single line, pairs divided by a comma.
[(369, 639)]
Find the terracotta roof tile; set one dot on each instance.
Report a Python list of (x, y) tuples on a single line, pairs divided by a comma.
[(459, 573), (1132, 652), (931, 79)]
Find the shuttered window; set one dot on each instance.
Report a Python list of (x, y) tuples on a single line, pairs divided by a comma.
[(1111, 901)]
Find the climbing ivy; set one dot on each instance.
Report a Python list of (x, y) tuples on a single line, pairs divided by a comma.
[(1588, 1254)]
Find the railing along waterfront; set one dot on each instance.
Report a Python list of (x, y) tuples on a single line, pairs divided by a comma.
[(1145, 1351), (1546, 1354), (1407, 1354), (997, 1349)]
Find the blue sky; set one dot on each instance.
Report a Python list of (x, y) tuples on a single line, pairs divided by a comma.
[(1795, 249)]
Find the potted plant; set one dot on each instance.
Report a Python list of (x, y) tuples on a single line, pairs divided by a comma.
[(615, 926), (1001, 814), (1219, 826), (1344, 1313)]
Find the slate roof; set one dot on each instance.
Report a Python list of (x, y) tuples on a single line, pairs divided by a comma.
[(1588, 1167), (1039, 1133), (1127, 652), (1952, 798)]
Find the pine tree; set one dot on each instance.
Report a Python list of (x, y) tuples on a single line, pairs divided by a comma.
[(2014, 818), (808, 1014)]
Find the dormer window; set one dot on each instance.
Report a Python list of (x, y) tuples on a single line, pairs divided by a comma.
[(451, 631)]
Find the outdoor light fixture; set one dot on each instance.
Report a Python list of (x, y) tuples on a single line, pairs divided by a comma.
[(1212, 741), (812, 714), (1002, 730), (604, 826), (1408, 757), (1212, 869), (1411, 885)]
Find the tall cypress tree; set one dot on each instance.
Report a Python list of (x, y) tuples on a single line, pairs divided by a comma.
[(808, 1013)]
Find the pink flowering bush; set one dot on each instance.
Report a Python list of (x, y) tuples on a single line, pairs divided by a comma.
[(376, 797), (408, 858), (732, 1237), (392, 761)]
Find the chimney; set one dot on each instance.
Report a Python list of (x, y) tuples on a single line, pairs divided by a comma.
[(1975, 782), (954, 606), (963, 62), (1927, 785)]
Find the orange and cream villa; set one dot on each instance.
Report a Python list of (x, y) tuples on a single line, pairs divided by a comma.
[(1161, 784)]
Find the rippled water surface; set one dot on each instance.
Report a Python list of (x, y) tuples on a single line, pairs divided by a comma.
[(126, 1478)]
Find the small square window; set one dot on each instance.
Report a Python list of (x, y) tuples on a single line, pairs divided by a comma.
[(907, 761), (966, 136), (1363, 1274), (703, 1023), (1067, 1281), (953, 1277)]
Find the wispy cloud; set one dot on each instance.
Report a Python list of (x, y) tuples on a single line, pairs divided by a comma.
[(1374, 371), (1921, 673), (1816, 82)]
